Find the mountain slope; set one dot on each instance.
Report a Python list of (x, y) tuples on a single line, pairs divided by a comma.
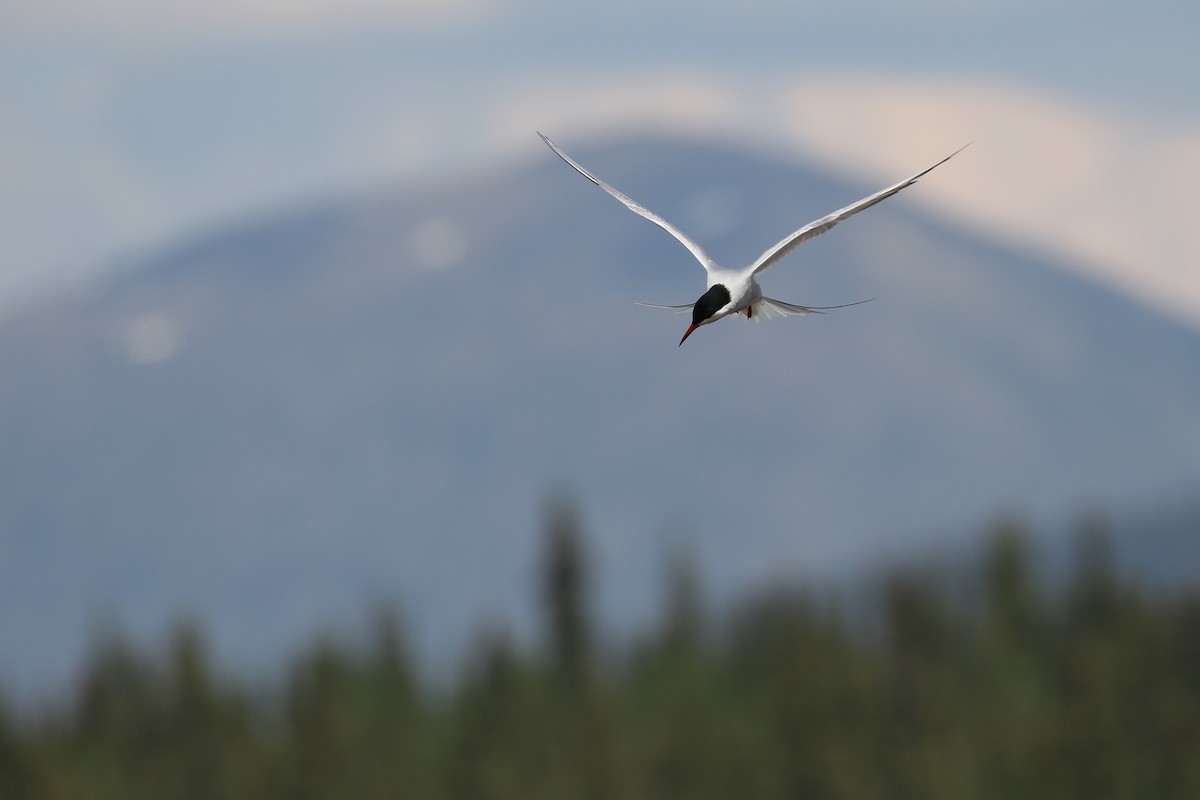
[(371, 398)]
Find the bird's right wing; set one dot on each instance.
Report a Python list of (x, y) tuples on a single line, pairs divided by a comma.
[(636, 207), (679, 309)]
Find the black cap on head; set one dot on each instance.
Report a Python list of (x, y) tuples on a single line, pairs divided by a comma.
[(710, 303)]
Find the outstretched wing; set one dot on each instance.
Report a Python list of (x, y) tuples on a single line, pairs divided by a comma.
[(772, 256), (767, 308), (679, 309), (636, 207)]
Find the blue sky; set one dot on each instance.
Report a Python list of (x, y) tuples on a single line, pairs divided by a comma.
[(129, 124)]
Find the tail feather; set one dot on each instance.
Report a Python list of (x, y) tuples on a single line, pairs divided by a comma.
[(769, 308)]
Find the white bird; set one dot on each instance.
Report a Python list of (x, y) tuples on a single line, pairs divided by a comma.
[(736, 291)]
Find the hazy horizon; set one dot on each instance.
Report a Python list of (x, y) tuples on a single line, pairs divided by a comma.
[(128, 126)]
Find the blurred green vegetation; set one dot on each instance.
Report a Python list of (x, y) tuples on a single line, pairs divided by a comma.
[(1011, 689)]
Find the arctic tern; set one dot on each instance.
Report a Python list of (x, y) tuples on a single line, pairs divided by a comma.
[(736, 291)]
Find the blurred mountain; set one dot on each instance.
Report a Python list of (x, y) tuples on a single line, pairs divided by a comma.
[(371, 398)]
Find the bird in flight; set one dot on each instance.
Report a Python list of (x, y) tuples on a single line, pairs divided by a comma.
[(736, 291)]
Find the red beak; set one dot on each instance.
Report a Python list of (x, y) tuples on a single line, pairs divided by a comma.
[(689, 333)]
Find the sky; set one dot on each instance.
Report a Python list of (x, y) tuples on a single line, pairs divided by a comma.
[(128, 126)]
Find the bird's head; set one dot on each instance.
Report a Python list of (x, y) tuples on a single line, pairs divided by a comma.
[(706, 308)]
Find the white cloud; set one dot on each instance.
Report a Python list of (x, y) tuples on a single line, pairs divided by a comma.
[(572, 106), (1114, 195)]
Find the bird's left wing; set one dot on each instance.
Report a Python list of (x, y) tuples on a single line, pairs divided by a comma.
[(636, 207), (772, 256)]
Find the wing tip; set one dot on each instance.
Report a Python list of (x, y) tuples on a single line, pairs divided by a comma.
[(679, 309)]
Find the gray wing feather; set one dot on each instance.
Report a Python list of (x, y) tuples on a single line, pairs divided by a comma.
[(815, 228), (635, 207), (679, 309)]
